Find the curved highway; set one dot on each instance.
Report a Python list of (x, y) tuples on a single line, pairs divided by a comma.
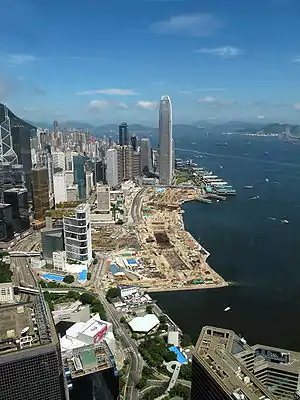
[(19, 265)]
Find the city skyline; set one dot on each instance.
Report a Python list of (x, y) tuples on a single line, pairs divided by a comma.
[(213, 64)]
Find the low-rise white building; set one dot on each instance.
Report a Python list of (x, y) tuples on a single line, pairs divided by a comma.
[(74, 312), (72, 192), (59, 260), (6, 292), (85, 333), (144, 324), (127, 290)]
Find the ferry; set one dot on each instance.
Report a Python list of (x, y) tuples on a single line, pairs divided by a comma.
[(285, 221)]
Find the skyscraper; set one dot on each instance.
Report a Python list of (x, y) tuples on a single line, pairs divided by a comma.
[(165, 141), (18, 199), (78, 236), (112, 167), (40, 189), (79, 176), (133, 141), (146, 161), (226, 367), (123, 134), (30, 359)]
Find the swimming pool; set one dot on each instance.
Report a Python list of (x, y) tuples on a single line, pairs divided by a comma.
[(53, 277), (180, 357), (83, 275)]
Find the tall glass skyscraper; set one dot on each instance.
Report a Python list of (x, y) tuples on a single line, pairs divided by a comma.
[(165, 141)]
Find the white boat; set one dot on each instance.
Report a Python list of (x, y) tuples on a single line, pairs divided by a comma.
[(267, 180), (254, 198), (285, 221), (227, 309), (272, 218), (248, 187)]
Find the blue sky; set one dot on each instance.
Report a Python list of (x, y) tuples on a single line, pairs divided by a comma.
[(104, 61)]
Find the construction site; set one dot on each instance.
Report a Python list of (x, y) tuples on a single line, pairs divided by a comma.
[(160, 254)]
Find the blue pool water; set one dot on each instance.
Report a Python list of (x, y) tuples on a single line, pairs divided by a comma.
[(131, 261), (53, 277), (180, 357), (83, 275), (114, 269), (160, 190)]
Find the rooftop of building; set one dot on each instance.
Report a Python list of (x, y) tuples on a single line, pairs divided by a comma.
[(4, 205), (15, 190), (82, 207), (25, 325), (88, 360), (215, 350)]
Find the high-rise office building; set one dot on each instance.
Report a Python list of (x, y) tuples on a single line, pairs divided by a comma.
[(30, 358), (123, 134), (59, 161), (125, 163), (100, 172), (40, 190), (133, 141), (103, 199), (136, 164), (226, 367), (165, 141), (21, 141), (112, 168), (146, 160), (6, 222), (79, 175), (18, 199), (78, 236), (15, 143), (60, 187)]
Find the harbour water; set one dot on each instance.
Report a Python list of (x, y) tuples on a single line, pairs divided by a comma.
[(249, 245)]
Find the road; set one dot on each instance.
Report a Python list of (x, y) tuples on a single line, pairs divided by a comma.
[(136, 205), (129, 345), (19, 265)]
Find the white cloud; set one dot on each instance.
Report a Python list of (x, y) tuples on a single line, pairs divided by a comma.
[(30, 109), (214, 102), (20, 59), (187, 25), (97, 106), (117, 92), (207, 99), (225, 52), (297, 59), (122, 105), (211, 90), (297, 106), (147, 105), (260, 117)]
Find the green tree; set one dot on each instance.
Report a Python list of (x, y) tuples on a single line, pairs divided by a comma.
[(69, 279), (149, 309), (180, 391), (88, 276), (185, 340), (86, 298), (186, 372), (113, 292), (95, 261), (162, 319), (73, 295), (5, 273)]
